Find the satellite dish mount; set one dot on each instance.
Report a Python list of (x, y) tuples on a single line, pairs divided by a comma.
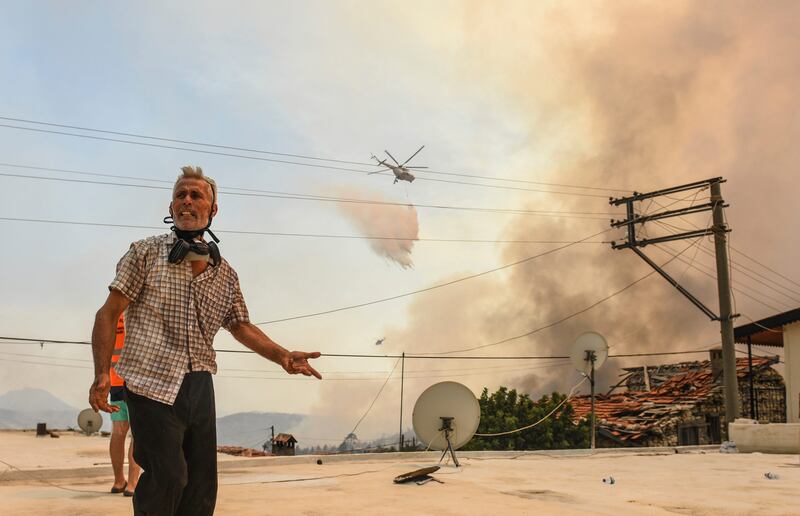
[(446, 433), (591, 356), (589, 352), (447, 428)]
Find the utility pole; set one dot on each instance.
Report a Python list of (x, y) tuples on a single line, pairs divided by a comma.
[(592, 357), (402, 380), (725, 311), (719, 229), (272, 440)]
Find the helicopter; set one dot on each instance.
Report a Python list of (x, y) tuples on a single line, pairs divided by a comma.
[(401, 172)]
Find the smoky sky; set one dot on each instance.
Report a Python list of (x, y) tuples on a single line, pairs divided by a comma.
[(384, 221), (636, 96)]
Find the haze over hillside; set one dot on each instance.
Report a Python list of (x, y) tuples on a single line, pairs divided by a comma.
[(24, 408)]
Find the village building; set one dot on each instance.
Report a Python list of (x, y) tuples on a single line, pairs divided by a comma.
[(682, 404), (283, 444), (781, 331)]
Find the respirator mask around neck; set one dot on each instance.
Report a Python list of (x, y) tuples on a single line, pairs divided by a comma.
[(187, 243)]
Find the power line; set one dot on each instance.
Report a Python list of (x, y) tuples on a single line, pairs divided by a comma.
[(434, 287), (766, 267), (448, 373), (415, 373), (353, 431), (412, 371), (665, 248), (542, 419), (287, 162), (563, 319), (26, 340), (272, 194), (300, 156), (678, 228), (742, 269), (669, 251), (305, 235)]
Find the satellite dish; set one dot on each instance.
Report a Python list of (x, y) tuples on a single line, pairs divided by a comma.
[(89, 421), (582, 349), (446, 416), (588, 352)]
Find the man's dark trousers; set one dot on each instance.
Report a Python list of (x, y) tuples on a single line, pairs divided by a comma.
[(176, 446)]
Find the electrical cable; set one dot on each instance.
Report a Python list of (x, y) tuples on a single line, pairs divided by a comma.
[(287, 162), (32, 476), (418, 376), (734, 262), (434, 287), (273, 194), (353, 431), (300, 156), (22, 340), (766, 267), (760, 325), (563, 319), (690, 264), (307, 235), (290, 480), (668, 251), (527, 427)]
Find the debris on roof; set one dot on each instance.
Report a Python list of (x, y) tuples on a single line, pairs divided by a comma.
[(240, 451), (681, 394)]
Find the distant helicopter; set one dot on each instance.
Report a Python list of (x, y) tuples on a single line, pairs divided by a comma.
[(401, 171), (380, 341)]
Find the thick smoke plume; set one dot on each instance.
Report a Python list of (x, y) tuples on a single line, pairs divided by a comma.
[(384, 221), (634, 96), (647, 97)]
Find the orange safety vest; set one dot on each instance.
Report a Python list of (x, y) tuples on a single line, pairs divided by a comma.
[(116, 380)]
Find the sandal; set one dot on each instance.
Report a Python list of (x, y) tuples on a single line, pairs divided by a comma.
[(117, 490)]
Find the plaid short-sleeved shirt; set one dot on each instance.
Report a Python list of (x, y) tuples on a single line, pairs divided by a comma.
[(172, 318)]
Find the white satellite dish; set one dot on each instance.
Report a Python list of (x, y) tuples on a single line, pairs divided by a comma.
[(89, 421), (586, 345), (588, 352), (446, 417)]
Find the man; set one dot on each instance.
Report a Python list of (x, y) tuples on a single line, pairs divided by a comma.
[(177, 291), (120, 425)]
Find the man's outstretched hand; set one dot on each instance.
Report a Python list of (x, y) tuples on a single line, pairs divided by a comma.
[(98, 394), (296, 362)]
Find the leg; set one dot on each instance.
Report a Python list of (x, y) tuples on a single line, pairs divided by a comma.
[(200, 449), (116, 449), (133, 469), (158, 430)]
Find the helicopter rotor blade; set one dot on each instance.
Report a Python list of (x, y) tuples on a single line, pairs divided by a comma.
[(413, 167), (387, 153), (378, 171), (412, 156)]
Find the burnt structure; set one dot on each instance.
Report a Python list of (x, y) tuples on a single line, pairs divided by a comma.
[(682, 404)]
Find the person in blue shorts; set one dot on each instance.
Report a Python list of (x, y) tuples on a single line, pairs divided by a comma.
[(120, 425)]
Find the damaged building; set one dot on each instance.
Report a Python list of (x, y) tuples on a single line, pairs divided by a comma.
[(682, 404)]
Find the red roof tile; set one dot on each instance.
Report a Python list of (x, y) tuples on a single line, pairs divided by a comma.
[(631, 415)]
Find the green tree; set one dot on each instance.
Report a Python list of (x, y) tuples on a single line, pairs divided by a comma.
[(507, 410)]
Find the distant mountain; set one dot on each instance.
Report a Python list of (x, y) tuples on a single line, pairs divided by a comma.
[(32, 400), (251, 429), (24, 408)]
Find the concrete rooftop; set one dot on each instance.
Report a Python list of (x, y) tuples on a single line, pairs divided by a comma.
[(71, 475)]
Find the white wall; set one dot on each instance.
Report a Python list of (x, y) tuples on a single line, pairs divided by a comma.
[(791, 344)]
